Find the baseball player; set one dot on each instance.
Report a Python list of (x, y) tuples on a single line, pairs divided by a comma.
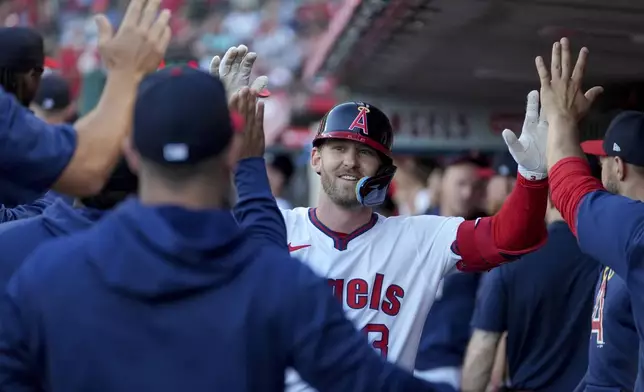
[(385, 271), (612, 356), (543, 302), (77, 160), (608, 226)]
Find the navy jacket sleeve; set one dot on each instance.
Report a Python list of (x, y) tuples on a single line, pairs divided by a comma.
[(328, 352), (33, 154), (491, 303), (17, 366), (25, 210), (610, 228), (256, 209)]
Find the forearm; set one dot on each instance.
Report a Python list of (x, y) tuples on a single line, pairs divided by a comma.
[(563, 141), (479, 361), (519, 226), (100, 135), (256, 208), (570, 181)]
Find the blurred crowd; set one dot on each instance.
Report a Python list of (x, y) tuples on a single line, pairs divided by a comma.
[(282, 32)]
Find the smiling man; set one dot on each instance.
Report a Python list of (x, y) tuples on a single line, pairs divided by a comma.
[(386, 271)]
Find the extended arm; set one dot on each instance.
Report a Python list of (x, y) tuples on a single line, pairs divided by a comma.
[(256, 208), (518, 228), (99, 138), (479, 360)]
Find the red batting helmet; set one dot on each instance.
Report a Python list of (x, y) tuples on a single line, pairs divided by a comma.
[(366, 124)]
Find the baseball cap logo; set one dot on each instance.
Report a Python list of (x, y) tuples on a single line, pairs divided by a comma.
[(616, 147), (176, 152)]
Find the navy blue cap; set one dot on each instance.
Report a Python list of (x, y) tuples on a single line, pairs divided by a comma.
[(624, 138), (21, 49), (53, 93), (181, 117)]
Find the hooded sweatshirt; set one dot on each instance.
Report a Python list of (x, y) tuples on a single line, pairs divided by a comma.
[(162, 298), (19, 238), (8, 214)]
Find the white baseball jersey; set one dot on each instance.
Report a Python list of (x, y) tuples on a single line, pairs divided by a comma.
[(386, 273)]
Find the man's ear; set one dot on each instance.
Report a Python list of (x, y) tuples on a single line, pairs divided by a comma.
[(620, 168), (131, 156), (316, 160)]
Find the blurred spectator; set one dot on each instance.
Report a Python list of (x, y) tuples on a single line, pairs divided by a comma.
[(280, 170), (501, 183), (412, 196), (53, 101), (446, 332)]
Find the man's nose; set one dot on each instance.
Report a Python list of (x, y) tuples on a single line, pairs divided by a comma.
[(350, 159)]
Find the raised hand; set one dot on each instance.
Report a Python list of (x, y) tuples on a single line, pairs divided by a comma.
[(245, 103), (140, 42), (561, 88), (529, 150), (235, 70)]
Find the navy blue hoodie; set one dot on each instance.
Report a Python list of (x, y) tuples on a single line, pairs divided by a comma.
[(36, 208), (161, 298), (19, 238)]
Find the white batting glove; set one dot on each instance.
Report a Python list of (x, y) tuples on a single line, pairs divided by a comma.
[(529, 150), (235, 69)]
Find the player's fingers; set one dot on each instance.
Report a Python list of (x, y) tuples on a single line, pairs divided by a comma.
[(242, 50), (132, 14), (105, 29), (531, 109), (259, 84), (542, 70), (566, 66), (592, 94), (580, 67), (214, 66), (164, 41), (247, 65), (227, 61), (555, 61), (158, 28), (511, 140), (259, 118), (149, 13)]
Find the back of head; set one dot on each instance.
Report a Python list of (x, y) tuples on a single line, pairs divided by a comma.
[(22, 62), (182, 136)]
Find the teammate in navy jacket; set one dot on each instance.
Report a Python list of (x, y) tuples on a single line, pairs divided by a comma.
[(613, 354), (170, 293), (35, 156), (608, 226), (544, 302)]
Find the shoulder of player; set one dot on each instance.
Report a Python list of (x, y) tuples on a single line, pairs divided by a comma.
[(51, 261)]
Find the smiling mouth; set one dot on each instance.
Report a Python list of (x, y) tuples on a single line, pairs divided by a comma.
[(348, 177)]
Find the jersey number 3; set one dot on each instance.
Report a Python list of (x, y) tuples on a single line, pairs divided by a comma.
[(381, 344)]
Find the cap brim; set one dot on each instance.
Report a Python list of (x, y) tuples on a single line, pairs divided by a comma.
[(486, 172), (51, 63), (594, 147)]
